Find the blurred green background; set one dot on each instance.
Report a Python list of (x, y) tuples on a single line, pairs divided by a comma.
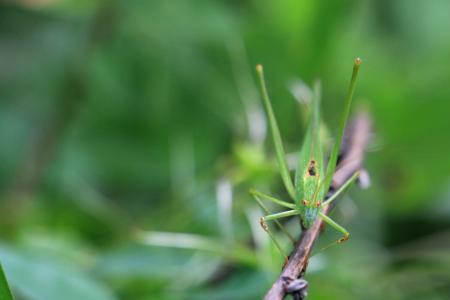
[(126, 122)]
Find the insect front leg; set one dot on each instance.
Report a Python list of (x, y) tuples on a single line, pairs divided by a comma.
[(342, 189), (258, 196), (275, 217), (263, 196)]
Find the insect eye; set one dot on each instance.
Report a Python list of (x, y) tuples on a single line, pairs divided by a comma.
[(318, 203), (305, 203)]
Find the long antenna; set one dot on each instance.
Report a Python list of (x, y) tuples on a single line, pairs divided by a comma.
[(337, 144), (279, 150)]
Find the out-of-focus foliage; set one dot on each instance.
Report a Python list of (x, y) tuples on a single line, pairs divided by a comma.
[(123, 116), (5, 291)]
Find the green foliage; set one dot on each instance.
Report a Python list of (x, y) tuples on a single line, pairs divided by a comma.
[(5, 293), (37, 276), (117, 115)]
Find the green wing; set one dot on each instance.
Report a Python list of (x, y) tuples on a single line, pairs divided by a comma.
[(312, 147)]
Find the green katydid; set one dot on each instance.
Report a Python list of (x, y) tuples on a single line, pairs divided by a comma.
[(312, 180)]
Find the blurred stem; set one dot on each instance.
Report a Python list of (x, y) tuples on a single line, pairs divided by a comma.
[(235, 252)]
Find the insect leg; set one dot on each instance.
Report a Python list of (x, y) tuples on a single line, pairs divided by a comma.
[(263, 196), (257, 197), (342, 189), (336, 226), (274, 217), (283, 214)]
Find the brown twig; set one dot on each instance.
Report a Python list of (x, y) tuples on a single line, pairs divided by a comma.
[(354, 145)]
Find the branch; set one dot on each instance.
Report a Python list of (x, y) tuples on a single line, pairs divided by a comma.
[(354, 145)]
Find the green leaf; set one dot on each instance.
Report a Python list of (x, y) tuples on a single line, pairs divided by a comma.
[(5, 292), (278, 143), (38, 276), (157, 266), (337, 144)]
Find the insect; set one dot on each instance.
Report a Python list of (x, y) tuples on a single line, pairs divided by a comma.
[(312, 178)]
